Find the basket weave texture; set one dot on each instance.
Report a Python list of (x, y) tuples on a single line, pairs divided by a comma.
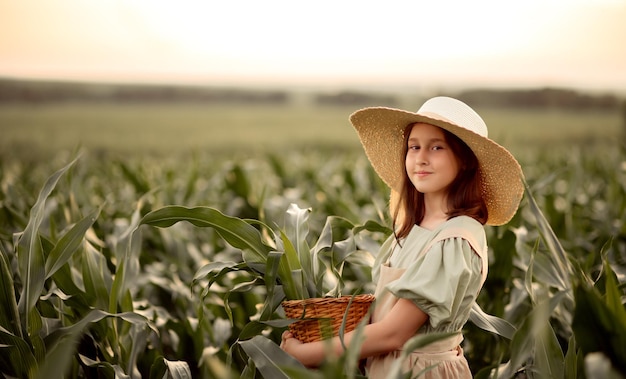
[(323, 316)]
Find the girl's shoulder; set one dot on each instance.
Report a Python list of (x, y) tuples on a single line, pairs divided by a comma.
[(464, 222), (464, 227)]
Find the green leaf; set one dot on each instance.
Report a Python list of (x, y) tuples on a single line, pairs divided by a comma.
[(297, 250), (333, 247), (16, 359), (557, 254), (61, 343), (268, 357), (69, 243), (178, 369), (96, 277), (573, 363), (240, 287), (271, 274), (613, 294), (373, 226), (127, 252), (233, 230), (294, 285), (105, 370), (214, 271), (296, 228), (597, 328), (30, 254), (529, 338), (9, 315), (491, 323), (549, 359), (252, 329), (339, 254), (353, 353), (65, 281)]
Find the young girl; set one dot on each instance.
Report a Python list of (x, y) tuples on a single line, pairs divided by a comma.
[(447, 180)]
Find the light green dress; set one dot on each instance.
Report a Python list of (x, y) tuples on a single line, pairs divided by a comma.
[(442, 272)]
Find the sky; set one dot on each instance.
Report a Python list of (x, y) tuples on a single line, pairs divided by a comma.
[(420, 43)]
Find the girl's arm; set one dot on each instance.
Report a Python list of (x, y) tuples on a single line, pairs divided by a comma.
[(381, 337)]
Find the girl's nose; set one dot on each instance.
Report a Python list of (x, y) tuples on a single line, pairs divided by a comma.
[(421, 158)]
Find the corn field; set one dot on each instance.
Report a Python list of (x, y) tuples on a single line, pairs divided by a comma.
[(168, 268)]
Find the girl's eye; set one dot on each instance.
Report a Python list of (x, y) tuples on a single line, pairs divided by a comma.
[(414, 147), (437, 147)]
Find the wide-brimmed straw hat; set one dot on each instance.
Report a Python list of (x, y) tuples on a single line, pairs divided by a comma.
[(381, 130)]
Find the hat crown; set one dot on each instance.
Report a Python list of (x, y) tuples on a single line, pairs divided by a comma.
[(455, 111)]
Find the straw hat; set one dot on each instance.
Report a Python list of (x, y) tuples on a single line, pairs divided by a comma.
[(381, 131)]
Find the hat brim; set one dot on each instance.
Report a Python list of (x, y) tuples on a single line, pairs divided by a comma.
[(381, 129)]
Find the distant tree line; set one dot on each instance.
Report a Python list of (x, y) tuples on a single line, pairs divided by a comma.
[(15, 91), (40, 92), (355, 99), (540, 98)]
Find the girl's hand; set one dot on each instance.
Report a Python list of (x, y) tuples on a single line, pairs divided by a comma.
[(289, 343), (297, 349)]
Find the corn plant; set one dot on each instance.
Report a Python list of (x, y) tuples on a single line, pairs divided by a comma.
[(59, 307), (285, 266), (288, 268), (111, 295)]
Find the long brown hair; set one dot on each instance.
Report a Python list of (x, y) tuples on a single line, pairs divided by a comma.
[(465, 196)]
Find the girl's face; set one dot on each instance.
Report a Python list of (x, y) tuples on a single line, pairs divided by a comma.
[(430, 162)]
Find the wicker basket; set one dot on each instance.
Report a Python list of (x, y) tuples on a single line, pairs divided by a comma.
[(323, 316)]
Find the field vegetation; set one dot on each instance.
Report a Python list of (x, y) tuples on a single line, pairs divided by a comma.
[(128, 231)]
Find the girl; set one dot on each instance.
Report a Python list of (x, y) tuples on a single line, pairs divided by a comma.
[(447, 180)]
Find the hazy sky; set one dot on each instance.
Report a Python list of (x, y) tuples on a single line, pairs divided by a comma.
[(572, 43)]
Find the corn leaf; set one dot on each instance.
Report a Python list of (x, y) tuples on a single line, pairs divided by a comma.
[(9, 315), (163, 368), (353, 352), (296, 231), (67, 245), (491, 323), (214, 271), (268, 357), (558, 256), (96, 276), (62, 342), (178, 369), (104, 369), (127, 252), (240, 287), (291, 273), (528, 338), (597, 328), (65, 281), (235, 231), (548, 356), (573, 363), (30, 252), (271, 274), (613, 294), (297, 250), (332, 249), (372, 226), (17, 356)]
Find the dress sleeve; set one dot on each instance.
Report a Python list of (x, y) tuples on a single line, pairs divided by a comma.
[(440, 280)]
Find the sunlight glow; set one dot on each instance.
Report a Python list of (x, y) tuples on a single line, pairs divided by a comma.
[(278, 40)]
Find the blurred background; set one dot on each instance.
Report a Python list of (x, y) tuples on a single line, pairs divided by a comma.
[(243, 106), (145, 76)]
